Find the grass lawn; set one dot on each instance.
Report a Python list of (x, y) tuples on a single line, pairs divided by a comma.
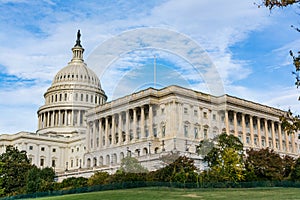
[(156, 193)]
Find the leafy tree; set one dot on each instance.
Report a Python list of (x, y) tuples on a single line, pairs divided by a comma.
[(40, 180), (225, 159), (295, 174), (265, 163), (223, 141), (14, 170), (278, 3), (132, 165), (288, 165), (181, 170), (98, 178), (72, 182)]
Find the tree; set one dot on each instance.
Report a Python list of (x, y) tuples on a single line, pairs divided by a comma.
[(181, 170), (98, 178), (14, 170), (288, 165), (131, 165), (265, 163), (40, 180), (295, 175), (225, 159), (278, 3)]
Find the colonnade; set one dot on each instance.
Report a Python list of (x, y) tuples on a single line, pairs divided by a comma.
[(123, 127), (260, 132), (65, 117)]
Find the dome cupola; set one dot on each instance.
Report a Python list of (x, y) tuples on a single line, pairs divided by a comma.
[(74, 90)]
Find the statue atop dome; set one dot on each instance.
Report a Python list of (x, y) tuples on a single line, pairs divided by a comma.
[(78, 39)]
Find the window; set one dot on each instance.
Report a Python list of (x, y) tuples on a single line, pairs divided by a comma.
[(146, 132), (30, 147), (77, 149), (195, 132), (185, 110), (87, 98), (214, 117), (205, 133), (66, 97), (81, 97), (163, 131), (155, 132), (162, 111), (42, 148), (72, 150), (53, 150), (263, 142), (53, 163), (92, 97), (248, 140), (205, 114), (130, 135), (42, 162), (186, 133), (195, 112)]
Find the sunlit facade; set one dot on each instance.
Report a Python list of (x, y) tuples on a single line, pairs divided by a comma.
[(79, 132)]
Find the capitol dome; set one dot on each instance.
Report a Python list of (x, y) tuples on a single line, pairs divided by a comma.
[(74, 90)]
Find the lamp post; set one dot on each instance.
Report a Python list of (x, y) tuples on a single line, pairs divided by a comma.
[(174, 143), (149, 147)]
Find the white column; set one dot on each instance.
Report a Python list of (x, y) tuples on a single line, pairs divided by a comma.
[(48, 119), (150, 121), (94, 135), (273, 135), (258, 132), (120, 128), (134, 124), (266, 132), (280, 137), (113, 130), (106, 132), (100, 133), (142, 122), (127, 127), (52, 118), (251, 130), (226, 122), (235, 124), (66, 118), (244, 129), (59, 118)]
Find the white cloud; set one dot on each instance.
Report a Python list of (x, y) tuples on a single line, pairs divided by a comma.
[(213, 25)]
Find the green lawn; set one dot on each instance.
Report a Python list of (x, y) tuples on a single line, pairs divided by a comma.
[(155, 193)]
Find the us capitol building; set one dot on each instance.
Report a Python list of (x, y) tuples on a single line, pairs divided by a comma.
[(79, 132)]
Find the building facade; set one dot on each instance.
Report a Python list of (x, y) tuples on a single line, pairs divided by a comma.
[(79, 132)]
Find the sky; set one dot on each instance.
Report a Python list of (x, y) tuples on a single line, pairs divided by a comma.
[(246, 48)]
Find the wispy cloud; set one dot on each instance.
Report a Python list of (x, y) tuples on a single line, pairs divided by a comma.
[(36, 37)]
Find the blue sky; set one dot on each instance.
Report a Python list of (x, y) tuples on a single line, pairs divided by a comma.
[(248, 46)]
